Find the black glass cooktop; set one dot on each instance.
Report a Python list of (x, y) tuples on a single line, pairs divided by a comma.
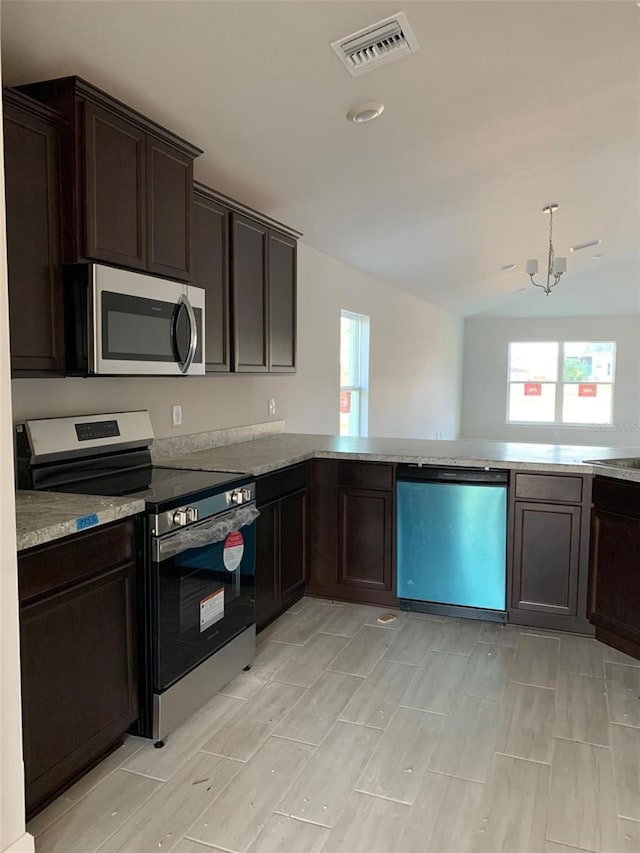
[(156, 486)]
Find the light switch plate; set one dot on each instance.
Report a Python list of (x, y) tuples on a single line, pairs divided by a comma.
[(272, 406), (176, 416)]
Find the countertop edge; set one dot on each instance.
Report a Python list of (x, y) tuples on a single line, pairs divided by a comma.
[(40, 532), (41, 535), (583, 468)]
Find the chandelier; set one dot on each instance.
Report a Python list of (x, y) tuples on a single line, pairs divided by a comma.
[(555, 266)]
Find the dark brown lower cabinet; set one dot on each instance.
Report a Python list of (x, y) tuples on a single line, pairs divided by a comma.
[(78, 655), (549, 552), (294, 543), (352, 551), (614, 584), (366, 528), (282, 541), (267, 584)]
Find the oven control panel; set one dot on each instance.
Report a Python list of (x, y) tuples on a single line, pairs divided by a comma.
[(91, 430), (182, 517), (174, 519), (240, 496)]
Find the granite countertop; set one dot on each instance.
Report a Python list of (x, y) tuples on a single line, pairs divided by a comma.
[(272, 452), (44, 516)]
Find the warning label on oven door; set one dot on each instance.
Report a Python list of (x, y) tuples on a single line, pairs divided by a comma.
[(233, 551), (211, 609)]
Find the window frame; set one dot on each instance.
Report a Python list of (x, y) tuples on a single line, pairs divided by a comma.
[(360, 371), (559, 389)]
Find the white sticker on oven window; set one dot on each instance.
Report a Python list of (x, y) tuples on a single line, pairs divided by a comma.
[(211, 609), (233, 551)]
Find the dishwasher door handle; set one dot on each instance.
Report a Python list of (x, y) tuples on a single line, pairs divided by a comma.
[(435, 474)]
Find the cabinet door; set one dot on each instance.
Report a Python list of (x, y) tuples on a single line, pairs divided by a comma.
[(33, 241), (78, 678), (210, 269), (267, 582), (169, 189), (365, 548), (614, 590), (546, 559), (114, 187), (249, 283), (282, 303), (294, 543)]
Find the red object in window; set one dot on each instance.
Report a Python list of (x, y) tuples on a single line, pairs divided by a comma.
[(345, 402), (532, 389), (587, 390)]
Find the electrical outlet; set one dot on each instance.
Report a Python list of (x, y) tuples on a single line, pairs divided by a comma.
[(272, 406), (176, 416)]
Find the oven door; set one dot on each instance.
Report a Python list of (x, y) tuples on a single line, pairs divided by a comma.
[(203, 594), (144, 325)]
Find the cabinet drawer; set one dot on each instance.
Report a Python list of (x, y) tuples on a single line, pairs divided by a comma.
[(549, 488), (366, 475), (280, 483), (58, 564)]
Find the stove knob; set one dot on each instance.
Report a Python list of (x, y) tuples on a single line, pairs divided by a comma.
[(192, 514), (246, 494), (236, 497), (180, 517)]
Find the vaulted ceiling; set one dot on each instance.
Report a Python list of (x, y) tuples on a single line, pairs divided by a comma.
[(506, 106)]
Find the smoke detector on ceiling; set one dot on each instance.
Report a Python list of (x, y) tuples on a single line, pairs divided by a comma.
[(365, 112), (384, 41)]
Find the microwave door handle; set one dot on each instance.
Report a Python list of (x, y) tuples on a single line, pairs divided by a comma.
[(193, 344), (184, 305)]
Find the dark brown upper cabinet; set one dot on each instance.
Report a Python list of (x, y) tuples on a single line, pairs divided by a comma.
[(129, 182), (210, 270), (247, 264), (250, 295), (32, 187), (282, 303), (264, 293), (114, 189), (169, 188)]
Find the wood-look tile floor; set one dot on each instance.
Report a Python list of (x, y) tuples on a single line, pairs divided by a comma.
[(423, 735)]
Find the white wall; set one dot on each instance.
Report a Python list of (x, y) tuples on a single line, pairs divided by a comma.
[(415, 369), (484, 385), (12, 828)]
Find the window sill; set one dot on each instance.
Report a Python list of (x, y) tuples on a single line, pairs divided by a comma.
[(601, 427)]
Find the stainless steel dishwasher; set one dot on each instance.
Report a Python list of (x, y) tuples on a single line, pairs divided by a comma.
[(452, 541)]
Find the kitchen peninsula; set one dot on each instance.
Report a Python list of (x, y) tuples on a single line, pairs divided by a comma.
[(269, 453), (328, 522)]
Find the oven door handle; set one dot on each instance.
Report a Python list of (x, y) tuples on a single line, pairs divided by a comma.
[(184, 363), (209, 532)]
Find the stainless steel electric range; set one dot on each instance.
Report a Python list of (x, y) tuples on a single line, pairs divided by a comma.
[(197, 553)]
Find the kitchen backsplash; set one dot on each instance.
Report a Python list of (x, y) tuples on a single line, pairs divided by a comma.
[(164, 448)]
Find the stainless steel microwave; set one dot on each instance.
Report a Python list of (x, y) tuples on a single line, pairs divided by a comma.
[(120, 322)]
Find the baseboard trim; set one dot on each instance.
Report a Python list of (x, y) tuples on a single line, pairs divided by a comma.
[(24, 844)]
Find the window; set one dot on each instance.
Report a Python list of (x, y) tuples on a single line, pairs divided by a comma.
[(354, 373), (561, 383)]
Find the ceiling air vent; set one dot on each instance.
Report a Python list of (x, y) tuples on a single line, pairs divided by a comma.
[(365, 50)]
